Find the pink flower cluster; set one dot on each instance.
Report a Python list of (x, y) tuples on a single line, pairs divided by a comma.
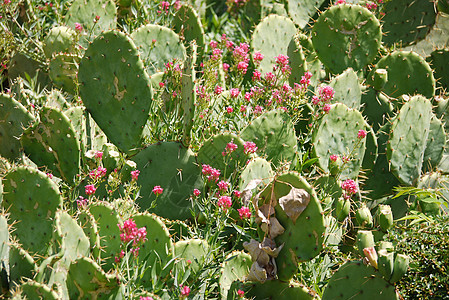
[(210, 173), (185, 291), (224, 202), (305, 80), (223, 185), (97, 173), (90, 189), (326, 93), (135, 174), (196, 192), (282, 64), (349, 188), (129, 232), (249, 147), (81, 201), (333, 157), (234, 92), (157, 190), (98, 154), (371, 6), (244, 212), (361, 134)]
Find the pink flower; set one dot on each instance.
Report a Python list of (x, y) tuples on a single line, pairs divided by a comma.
[(213, 44), (97, 173), (333, 157), (81, 201), (210, 173), (234, 92), (371, 254), (229, 109), (147, 298), (49, 175), (371, 6), (269, 76), (240, 293), (242, 108), (185, 291), (282, 60), (161, 84), (244, 212), (315, 100), (340, 2), (216, 54), (231, 147), (258, 110), (361, 134), (78, 27), (98, 154), (229, 45), (237, 194), (223, 185), (157, 190), (249, 147), (196, 192), (97, 18), (218, 90), (326, 93), (224, 202), (90, 189), (225, 67), (256, 75), (258, 57), (135, 174), (326, 107), (349, 188), (242, 67)]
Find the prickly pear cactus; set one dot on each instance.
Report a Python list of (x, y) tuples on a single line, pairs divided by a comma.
[(438, 61), (407, 142), (436, 145), (271, 37), (63, 69), (31, 199), (189, 94), (53, 143), (354, 280), (408, 73), (257, 169), (157, 46), (35, 290), (187, 24), (347, 89), (345, 36), (115, 88), (191, 253), (301, 12), (59, 39), (407, 21), (276, 289), (274, 134), (235, 267), (338, 134), (173, 167), (21, 264), (14, 118)]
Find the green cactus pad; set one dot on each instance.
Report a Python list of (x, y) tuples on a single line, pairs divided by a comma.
[(303, 238), (380, 181), (84, 13), (157, 46), (87, 280), (36, 290), (408, 73), (57, 100), (211, 153), (21, 64), (436, 144), (63, 69), (21, 264), (407, 21), (297, 59), (115, 88), (173, 167), (371, 149), (59, 39), (53, 143), (187, 24), (31, 199), (313, 63), (107, 222), (193, 250), (275, 289), (257, 168), (188, 95), (356, 281), (157, 250), (337, 134), (376, 108), (235, 267), (438, 61), (408, 139), (302, 11), (271, 37), (347, 89), (73, 241), (346, 36), (87, 222), (274, 134), (14, 118)]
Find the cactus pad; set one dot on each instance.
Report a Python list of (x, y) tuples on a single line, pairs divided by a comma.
[(337, 134), (115, 88), (301, 11), (257, 168), (271, 37), (438, 61), (274, 134), (408, 136), (235, 267), (194, 250), (408, 73), (31, 199), (157, 46), (53, 143), (276, 289), (346, 36), (436, 144), (59, 39), (187, 24), (173, 167), (14, 119), (63, 69), (36, 290), (347, 89), (354, 280)]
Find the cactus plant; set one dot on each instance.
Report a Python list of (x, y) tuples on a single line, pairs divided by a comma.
[(126, 85), (59, 39), (347, 89), (187, 24), (63, 69), (235, 267)]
